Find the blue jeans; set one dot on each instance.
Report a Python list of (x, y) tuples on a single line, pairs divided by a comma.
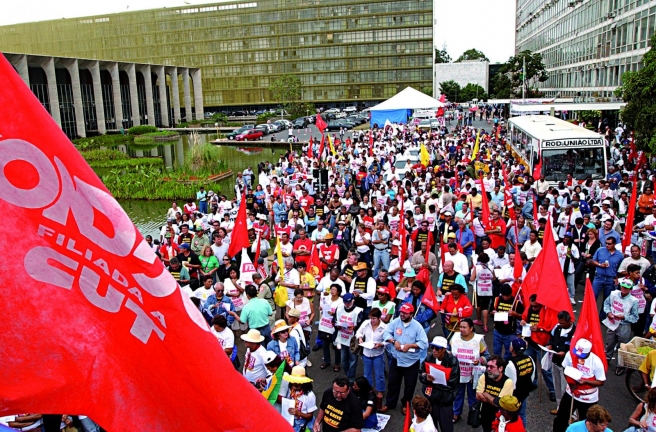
[(522, 410), (89, 425), (349, 362), (459, 402), (536, 355), (381, 258), (203, 207), (377, 366), (604, 284), (501, 341)]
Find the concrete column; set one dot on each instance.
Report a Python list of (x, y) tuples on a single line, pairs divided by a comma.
[(148, 82), (98, 97), (198, 94), (168, 156), (179, 153), (48, 66), (134, 95), (74, 71), (187, 94), (116, 92), (163, 104), (175, 94), (23, 71)]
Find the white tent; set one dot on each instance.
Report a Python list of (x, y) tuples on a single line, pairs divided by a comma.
[(397, 108)]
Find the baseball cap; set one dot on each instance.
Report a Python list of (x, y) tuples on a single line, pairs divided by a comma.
[(626, 284), (605, 202), (519, 345), (407, 308), (439, 342), (583, 348), (509, 403), (348, 297), (184, 246)]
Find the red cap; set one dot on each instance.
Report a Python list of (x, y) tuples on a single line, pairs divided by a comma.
[(407, 308)]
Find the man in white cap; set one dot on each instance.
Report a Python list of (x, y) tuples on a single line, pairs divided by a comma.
[(254, 364), (441, 396), (585, 390)]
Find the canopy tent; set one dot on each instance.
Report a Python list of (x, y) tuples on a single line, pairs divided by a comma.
[(398, 108)]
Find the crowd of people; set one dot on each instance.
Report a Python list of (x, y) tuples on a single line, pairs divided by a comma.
[(357, 257)]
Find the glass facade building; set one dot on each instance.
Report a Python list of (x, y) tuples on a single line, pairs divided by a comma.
[(586, 44), (344, 52)]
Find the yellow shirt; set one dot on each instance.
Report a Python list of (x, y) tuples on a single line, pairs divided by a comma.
[(647, 365), (507, 389), (475, 201)]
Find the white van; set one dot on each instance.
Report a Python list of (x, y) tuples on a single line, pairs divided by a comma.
[(350, 109), (424, 114)]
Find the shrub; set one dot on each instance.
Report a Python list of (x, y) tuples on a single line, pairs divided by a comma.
[(103, 155), (140, 130), (101, 141)]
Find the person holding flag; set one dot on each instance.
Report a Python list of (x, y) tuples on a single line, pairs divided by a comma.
[(440, 395)]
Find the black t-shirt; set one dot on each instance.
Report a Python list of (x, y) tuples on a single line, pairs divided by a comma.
[(501, 305), (192, 259), (341, 415)]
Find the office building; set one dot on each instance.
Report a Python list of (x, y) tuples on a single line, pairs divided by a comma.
[(586, 44), (464, 72), (95, 97), (344, 52)]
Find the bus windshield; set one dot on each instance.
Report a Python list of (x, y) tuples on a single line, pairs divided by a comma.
[(579, 162)]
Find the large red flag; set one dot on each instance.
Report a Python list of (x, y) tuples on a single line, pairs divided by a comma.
[(485, 210), (371, 142), (408, 417), (588, 327), (552, 290), (321, 147), (628, 231), (508, 202), (309, 152), (109, 321), (429, 298), (320, 123), (239, 234), (518, 269), (315, 263), (403, 235)]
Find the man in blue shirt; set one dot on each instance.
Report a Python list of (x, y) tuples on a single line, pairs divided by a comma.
[(523, 233), (407, 340), (465, 238), (614, 177), (607, 260), (607, 230)]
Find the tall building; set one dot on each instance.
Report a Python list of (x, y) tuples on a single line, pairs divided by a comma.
[(586, 44), (346, 52)]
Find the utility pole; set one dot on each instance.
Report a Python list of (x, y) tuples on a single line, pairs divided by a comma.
[(524, 79)]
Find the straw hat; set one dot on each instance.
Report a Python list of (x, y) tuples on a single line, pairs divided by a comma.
[(279, 326), (297, 376), (253, 336)]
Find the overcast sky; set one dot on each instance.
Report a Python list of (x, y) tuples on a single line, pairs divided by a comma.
[(486, 25)]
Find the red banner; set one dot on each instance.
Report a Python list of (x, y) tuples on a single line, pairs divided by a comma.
[(105, 331)]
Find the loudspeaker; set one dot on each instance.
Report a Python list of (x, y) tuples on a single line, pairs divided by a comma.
[(321, 177)]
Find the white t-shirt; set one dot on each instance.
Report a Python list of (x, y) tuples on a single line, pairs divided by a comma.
[(425, 426), (359, 238), (254, 367), (226, 337), (592, 368)]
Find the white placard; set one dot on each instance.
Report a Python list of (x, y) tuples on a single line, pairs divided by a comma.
[(439, 377), (544, 348), (368, 344), (526, 330), (285, 405), (501, 316), (612, 325), (573, 373)]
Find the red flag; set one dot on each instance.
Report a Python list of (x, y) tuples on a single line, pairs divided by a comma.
[(551, 290), (628, 231), (408, 418), (309, 152), (442, 98), (588, 327), (320, 123), (239, 234), (537, 169), (110, 320), (323, 141), (518, 269), (485, 211), (371, 143), (403, 235), (508, 202), (429, 298), (257, 249), (315, 263)]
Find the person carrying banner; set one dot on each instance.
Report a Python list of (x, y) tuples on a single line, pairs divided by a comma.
[(441, 396), (582, 393)]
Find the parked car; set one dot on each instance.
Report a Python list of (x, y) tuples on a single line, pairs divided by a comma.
[(355, 119), (340, 115), (328, 116), (238, 131), (332, 110), (435, 124), (350, 110), (265, 128), (250, 135), (286, 124), (339, 124), (208, 115), (301, 123)]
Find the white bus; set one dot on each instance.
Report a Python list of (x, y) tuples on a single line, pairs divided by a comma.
[(565, 147)]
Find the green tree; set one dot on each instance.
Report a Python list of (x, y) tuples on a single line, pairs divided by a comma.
[(638, 90), (286, 90), (501, 86), (427, 90), (472, 91), (535, 73), (441, 56), (472, 54), (451, 89), (301, 109)]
